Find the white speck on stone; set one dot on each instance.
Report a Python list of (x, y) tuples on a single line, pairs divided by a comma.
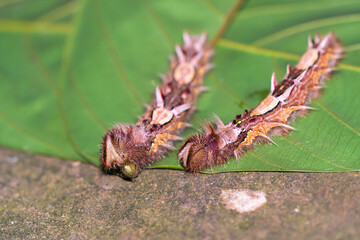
[(13, 159), (76, 164), (243, 200), (296, 210), (12, 222)]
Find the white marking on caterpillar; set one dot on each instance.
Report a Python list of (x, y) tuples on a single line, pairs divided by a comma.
[(268, 104), (282, 98)]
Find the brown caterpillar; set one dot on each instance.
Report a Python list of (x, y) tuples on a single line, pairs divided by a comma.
[(286, 100), (127, 149)]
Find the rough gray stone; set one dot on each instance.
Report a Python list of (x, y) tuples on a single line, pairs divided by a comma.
[(44, 197)]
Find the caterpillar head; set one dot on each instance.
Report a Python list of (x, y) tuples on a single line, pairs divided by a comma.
[(123, 152), (202, 150)]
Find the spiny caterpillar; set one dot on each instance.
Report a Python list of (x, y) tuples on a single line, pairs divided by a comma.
[(287, 100), (127, 149)]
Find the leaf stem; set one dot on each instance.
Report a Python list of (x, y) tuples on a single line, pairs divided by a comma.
[(239, 4)]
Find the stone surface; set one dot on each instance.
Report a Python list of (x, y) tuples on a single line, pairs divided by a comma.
[(43, 197)]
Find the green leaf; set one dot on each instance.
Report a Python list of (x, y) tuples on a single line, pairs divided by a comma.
[(70, 69)]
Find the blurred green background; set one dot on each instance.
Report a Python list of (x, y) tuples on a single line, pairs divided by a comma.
[(70, 69)]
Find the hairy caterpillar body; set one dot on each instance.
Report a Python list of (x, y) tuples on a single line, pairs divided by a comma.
[(127, 149), (287, 99)]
